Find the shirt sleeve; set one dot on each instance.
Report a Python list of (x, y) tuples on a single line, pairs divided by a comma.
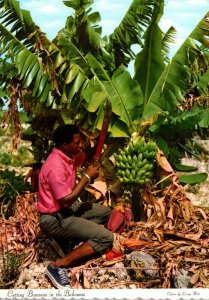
[(59, 182)]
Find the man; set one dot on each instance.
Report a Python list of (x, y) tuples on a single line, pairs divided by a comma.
[(63, 217)]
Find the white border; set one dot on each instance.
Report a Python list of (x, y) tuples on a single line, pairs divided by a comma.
[(172, 294)]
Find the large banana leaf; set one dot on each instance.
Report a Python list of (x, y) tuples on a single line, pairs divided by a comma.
[(123, 92), (27, 41), (17, 43), (177, 79), (130, 30), (168, 38), (9, 42), (77, 4), (34, 72), (149, 61), (104, 84), (202, 85), (183, 123), (68, 59), (204, 122), (83, 27), (71, 51), (20, 21)]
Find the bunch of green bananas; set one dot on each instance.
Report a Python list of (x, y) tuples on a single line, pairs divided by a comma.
[(135, 163)]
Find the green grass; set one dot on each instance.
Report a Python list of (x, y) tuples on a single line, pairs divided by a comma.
[(10, 268)]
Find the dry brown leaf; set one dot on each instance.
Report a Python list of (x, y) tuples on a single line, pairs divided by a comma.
[(148, 209), (166, 246), (100, 186), (187, 210), (132, 244), (182, 250), (159, 234), (188, 236), (147, 197), (194, 236), (203, 213), (75, 274), (194, 268), (167, 275), (74, 282), (159, 205), (30, 257), (203, 251), (86, 282), (170, 213), (195, 277), (112, 261), (170, 225), (205, 243), (198, 261), (163, 162), (94, 192), (204, 279)]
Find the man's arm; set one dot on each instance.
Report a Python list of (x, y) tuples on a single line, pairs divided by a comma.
[(91, 173)]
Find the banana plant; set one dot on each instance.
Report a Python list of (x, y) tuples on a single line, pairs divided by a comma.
[(186, 70), (75, 73), (184, 75), (60, 79)]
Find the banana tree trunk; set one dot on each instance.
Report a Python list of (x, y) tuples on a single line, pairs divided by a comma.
[(137, 204)]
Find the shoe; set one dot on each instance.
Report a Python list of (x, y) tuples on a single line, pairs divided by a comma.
[(58, 277)]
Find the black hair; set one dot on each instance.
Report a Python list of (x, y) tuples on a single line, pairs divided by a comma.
[(64, 134)]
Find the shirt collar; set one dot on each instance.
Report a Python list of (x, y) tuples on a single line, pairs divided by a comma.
[(63, 155)]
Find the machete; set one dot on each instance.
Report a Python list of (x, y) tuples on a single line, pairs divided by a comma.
[(103, 133)]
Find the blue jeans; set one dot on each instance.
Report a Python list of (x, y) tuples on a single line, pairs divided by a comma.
[(81, 224)]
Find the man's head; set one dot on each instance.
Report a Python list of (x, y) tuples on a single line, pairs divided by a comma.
[(67, 139)]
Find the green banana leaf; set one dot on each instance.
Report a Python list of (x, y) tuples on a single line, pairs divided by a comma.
[(149, 61), (177, 78), (168, 38), (61, 70), (193, 178), (123, 92), (19, 47), (130, 30), (76, 4), (184, 168), (203, 83), (204, 122), (22, 23)]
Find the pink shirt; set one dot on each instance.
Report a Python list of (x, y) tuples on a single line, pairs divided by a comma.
[(56, 180)]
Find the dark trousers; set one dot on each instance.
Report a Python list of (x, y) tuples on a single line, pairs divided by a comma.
[(81, 224)]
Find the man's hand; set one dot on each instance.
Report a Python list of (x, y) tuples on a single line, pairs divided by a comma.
[(92, 171)]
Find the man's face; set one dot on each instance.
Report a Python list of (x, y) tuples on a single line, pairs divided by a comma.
[(74, 147)]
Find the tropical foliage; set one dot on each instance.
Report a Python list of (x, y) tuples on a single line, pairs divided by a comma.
[(70, 78), (11, 185)]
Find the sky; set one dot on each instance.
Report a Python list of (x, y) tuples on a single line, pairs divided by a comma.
[(184, 15), (50, 15)]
